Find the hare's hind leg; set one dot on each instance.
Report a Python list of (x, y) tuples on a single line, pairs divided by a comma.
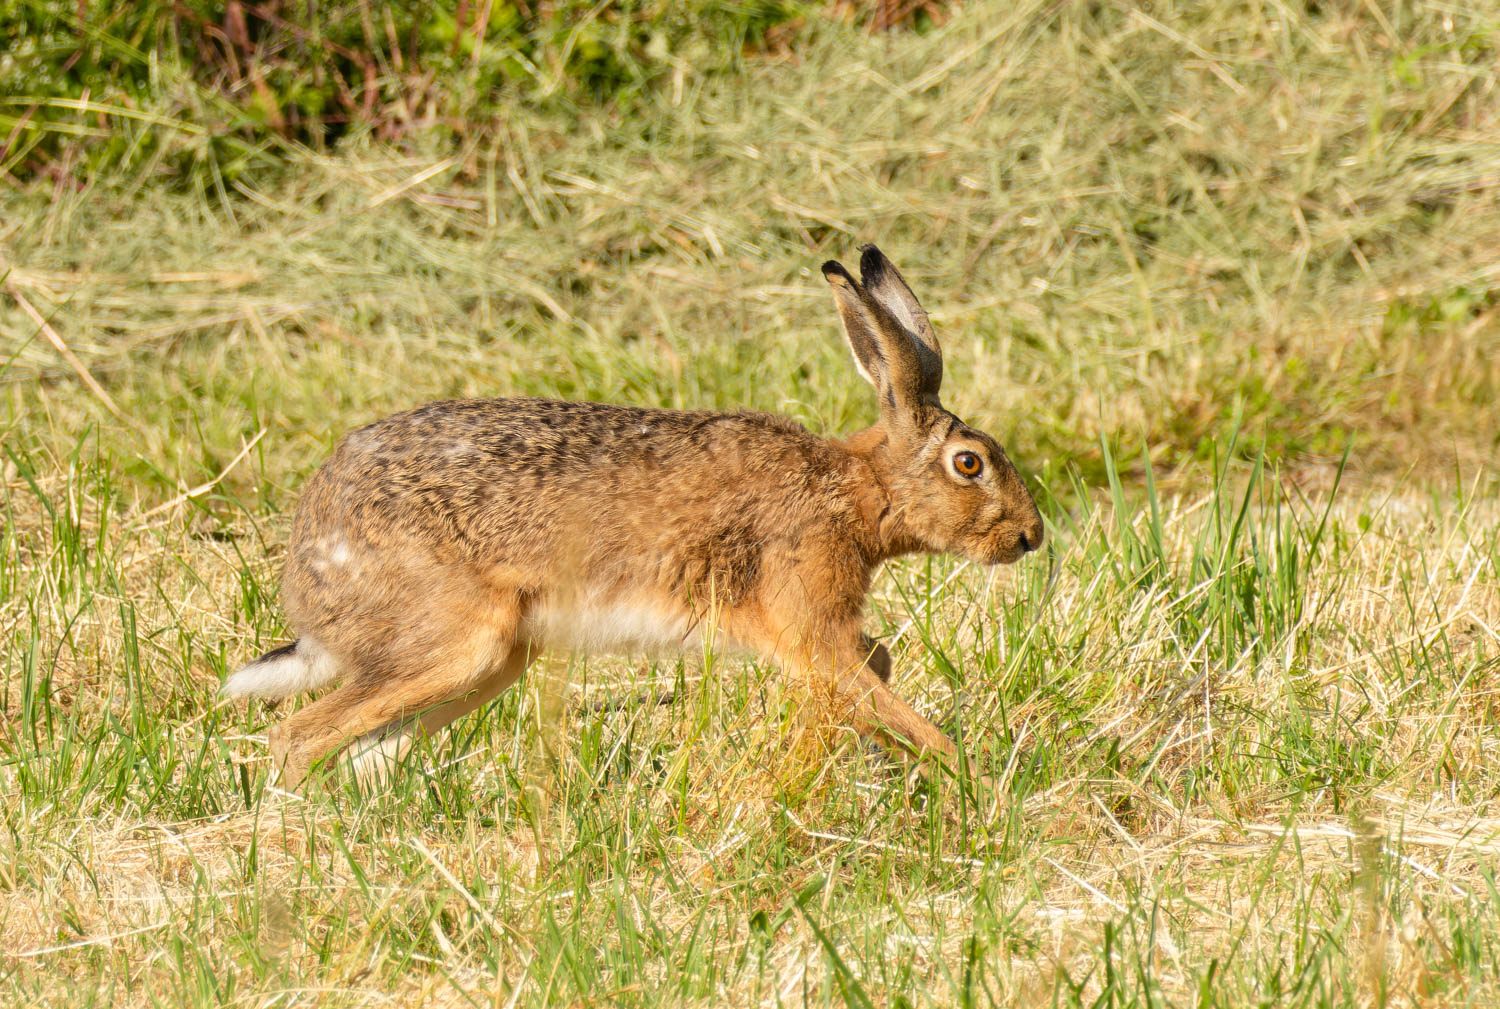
[(370, 707), (375, 754), (434, 659)]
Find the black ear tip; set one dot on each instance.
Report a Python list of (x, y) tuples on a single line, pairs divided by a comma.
[(872, 262), (833, 268)]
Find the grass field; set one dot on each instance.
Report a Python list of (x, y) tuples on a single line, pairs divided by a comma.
[(1224, 279)]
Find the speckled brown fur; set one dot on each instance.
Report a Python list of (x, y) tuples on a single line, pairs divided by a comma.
[(438, 550)]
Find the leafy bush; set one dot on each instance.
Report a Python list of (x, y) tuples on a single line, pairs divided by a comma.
[(199, 84)]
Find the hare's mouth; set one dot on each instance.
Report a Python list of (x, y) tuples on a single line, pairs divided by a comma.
[(1006, 547), (1005, 555)]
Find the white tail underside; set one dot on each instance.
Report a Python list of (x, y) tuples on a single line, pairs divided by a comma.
[(282, 674)]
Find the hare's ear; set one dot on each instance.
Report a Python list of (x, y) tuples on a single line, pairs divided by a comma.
[(884, 354), (883, 282)]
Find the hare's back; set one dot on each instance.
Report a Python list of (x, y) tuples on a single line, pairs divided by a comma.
[(559, 441), (496, 475)]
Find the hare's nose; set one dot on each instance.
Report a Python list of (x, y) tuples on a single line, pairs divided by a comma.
[(1031, 539)]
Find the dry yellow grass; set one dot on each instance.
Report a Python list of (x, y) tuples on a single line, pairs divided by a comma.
[(1338, 791)]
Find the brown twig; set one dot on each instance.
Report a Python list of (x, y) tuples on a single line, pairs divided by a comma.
[(204, 488), (68, 355)]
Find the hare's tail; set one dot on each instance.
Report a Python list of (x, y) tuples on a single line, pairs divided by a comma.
[(291, 669)]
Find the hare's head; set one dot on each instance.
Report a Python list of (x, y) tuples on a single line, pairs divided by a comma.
[(951, 487)]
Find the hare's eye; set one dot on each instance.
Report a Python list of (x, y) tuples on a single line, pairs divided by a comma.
[(967, 464)]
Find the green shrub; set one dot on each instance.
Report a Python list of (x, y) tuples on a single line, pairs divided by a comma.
[(198, 84)]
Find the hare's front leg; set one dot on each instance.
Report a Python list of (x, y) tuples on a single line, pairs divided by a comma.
[(832, 648), (877, 657), (875, 710)]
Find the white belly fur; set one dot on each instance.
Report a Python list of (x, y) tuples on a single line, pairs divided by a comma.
[(612, 627)]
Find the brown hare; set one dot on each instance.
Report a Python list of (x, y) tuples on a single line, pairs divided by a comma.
[(438, 551)]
